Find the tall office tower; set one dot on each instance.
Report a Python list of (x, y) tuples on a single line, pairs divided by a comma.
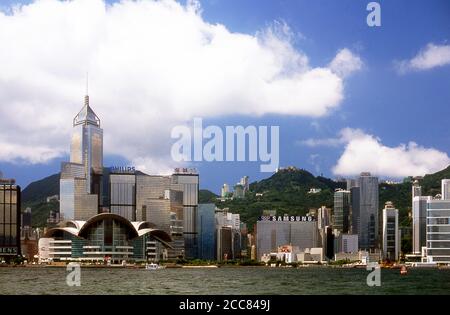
[(355, 209), (123, 195), (225, 191), (87, 146), (351, 183), (416, 189), (224, 243), (419, 228), (245, 184), (323, 217), (445, 189), (206, 231), (419, 218), (188, 180), (9, 219), (341, 215), (161, 202), (438, 227), (323, 221), (368, 226), (228, 223), (391, 237), (80, 183)]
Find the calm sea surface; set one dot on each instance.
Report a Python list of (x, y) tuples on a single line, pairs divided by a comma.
[(234, 281)]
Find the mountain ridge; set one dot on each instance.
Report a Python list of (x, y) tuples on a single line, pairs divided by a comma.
[(285, 191)]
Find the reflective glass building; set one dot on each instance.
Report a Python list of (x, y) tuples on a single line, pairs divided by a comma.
[(9, 218), (341, 216), (367, 217), (188, 183), (206, 231), (160, 200), (122, 191), (81, 178)]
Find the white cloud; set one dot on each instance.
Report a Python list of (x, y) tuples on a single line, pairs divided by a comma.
[(345, 63), (431, 56), (365, 152), (152, 65)]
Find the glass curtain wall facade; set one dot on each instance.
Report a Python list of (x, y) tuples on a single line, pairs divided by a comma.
[(123, 195), (189, 184), (368, 229), (84, 170), (206, 232), (342, 211), (9, 220), (160, 201)]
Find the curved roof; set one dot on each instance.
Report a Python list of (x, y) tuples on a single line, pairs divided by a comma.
[(135, 229), (143, 225), (103, 216), (53, 231)]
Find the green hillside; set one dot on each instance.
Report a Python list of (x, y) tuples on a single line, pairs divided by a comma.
[(206, 196), (35, 196), (285, 191)]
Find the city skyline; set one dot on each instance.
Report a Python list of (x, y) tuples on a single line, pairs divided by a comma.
[(360, 107)]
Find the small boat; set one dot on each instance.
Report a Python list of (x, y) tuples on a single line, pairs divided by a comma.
[(403, 270), (153, 266)]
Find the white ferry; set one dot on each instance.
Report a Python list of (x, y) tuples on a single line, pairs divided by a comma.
[(153, 266)]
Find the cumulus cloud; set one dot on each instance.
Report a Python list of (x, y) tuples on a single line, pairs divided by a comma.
[(152, 65), (430, 57), (345, 63), (366, 152)]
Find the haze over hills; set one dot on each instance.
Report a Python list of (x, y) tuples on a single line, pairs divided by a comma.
[(285, 191)]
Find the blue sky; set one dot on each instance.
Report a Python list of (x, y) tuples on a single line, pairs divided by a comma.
[(392, 107)]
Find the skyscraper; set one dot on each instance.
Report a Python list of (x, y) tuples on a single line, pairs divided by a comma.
[(445, 189), (87, 146), (341, 215), (438, 227), (188, 179), (80, 183), (123, 195), (9, 218), (419, 218), (206, 231), (391, 237), (368, 226)]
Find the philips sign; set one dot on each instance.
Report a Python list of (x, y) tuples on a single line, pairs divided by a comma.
[(287, 218)]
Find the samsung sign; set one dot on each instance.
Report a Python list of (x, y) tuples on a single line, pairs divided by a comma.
[(287, 218)]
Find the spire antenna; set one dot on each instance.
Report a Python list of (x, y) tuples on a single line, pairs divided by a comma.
[(86, 98)]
